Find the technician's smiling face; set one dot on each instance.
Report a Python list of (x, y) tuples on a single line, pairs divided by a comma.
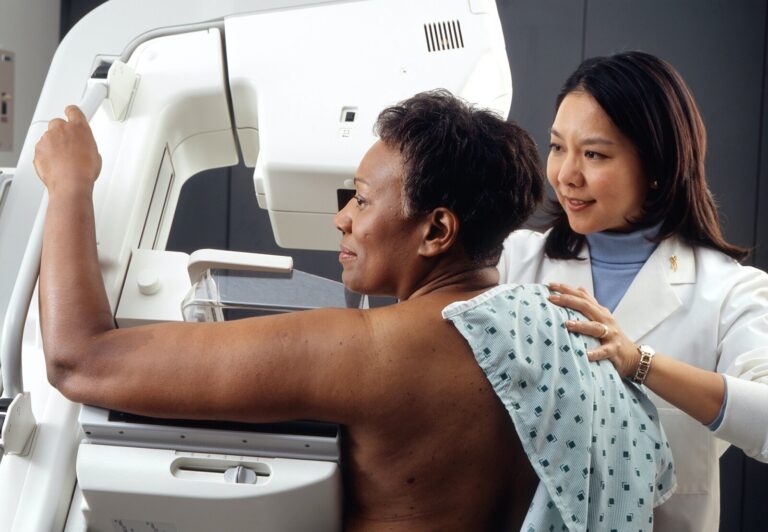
[(378, 242), (594, 169)]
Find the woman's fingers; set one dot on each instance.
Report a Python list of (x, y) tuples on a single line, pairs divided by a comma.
[(74, 114), (570, 290), (56, 123), (575, 302), (67, 152), (598, 353), (600, 324), (581, 300), (590, 328)]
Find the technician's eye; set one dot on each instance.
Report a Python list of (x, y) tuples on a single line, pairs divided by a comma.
[(360, 200), (593, 155), (554, 147)]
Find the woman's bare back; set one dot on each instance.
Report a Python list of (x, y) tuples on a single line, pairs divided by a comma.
[(436, 450)]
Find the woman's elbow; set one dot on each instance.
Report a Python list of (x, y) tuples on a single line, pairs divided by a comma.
[(59, 375), (63, 365)]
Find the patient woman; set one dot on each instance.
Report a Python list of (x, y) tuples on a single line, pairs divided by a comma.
[(442, 394)]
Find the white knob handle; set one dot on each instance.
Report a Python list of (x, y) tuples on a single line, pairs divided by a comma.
[(148, 281)]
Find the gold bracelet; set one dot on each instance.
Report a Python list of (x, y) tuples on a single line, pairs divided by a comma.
[(646, 356)]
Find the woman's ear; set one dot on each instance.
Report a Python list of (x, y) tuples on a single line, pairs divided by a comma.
[(441, 232)]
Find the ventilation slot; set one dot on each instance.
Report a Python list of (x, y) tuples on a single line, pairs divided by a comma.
[(443, 35)]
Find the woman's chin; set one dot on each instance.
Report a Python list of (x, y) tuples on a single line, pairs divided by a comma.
[(581, 228), (351, 284)]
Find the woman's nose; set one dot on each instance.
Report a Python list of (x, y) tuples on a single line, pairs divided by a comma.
[(569, 172), (342, 220)]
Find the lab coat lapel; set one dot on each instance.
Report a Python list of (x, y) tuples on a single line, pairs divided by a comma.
[(576, 273), (651, 298)]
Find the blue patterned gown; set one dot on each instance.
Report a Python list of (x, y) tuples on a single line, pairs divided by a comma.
[(593, 439)]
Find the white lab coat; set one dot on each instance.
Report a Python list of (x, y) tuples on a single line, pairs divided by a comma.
[(708, 311)]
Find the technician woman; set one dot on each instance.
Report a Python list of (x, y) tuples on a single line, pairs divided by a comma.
[(636, 228)]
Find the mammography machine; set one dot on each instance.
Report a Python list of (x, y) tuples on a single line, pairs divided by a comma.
[(174, 87)]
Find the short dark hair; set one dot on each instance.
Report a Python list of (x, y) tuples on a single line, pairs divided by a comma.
[(469, 160), (651, 105)]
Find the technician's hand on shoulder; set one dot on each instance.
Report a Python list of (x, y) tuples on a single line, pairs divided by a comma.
[(66, 155), (614, 344)]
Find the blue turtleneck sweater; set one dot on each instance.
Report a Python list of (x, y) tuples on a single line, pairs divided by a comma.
[(616, 259)]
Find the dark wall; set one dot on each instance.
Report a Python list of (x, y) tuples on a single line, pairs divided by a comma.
[(719, 46), (74, 10)]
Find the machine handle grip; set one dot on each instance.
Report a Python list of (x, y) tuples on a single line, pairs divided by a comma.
[(206, 259), (23, 289), (95, 93)]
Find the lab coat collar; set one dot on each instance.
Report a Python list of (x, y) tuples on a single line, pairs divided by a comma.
[(651, 297)]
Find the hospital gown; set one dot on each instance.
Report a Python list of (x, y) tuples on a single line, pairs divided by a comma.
[(593, 439)]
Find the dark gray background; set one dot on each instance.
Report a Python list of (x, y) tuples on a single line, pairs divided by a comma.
[(719, 46)]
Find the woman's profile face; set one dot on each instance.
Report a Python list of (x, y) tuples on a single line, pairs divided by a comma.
[(594, 169), (378, 241)]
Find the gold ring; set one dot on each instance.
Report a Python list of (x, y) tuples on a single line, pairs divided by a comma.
[(605, 331)]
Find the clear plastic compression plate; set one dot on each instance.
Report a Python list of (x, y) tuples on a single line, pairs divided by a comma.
[(222, 295)]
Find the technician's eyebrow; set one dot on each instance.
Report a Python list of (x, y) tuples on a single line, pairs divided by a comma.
[(357, 180), (589, 141)]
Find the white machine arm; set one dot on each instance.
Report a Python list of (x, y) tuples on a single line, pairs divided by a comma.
[(17, 422)]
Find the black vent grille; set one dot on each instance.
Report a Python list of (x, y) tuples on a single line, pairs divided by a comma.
[(443, 35)]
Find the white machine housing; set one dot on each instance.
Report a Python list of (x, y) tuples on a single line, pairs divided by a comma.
[(291, 87)]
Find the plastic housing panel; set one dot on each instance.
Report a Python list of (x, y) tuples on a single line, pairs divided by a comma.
[(307, 150), (141, 487)]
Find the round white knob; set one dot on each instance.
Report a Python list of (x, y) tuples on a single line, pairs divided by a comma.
[(148, 281), (240, 475)]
